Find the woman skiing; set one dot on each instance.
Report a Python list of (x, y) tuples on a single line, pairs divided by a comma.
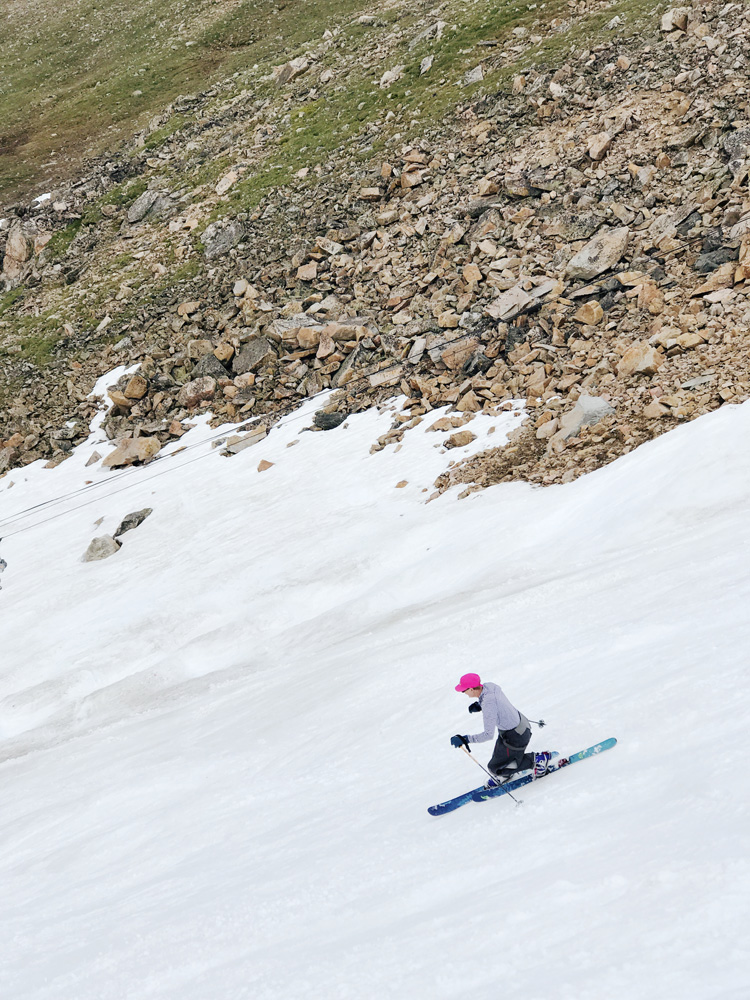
[(513, 729)]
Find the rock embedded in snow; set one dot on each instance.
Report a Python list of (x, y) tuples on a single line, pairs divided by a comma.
[(101, 547), (130, 450), (120, 399), (239, 442), (327, 421), (600, 254), (587, 410), (460, 439), (131, 521)]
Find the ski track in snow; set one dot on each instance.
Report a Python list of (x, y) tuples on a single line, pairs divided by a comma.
[(219, 744)]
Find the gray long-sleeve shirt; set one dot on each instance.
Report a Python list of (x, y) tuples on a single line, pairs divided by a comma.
[(497, 713)]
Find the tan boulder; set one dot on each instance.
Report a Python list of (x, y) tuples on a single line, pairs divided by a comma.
[(591, 314), (471, 273), (130, 450), (599, 145), (136, 388), (676, 19), (188, 308), (460, 439), (224, 352), (308, 337), (197, 349), (655, 410), (640, 359), (198, 391), (18, 250), (120, 399), (447, 320), (469, 403), (488, 186), (456, 355), (307, 272), (226, 182)]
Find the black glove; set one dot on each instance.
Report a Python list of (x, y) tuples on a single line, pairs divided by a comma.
[(475, 707), (460, 741)]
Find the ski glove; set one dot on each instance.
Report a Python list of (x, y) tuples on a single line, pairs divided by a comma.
[(475, 707), (460, 741)]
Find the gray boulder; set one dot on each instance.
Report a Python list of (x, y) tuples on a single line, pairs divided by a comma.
[(600, 254), (133, 520), (588, 410), (327, 421), (255, 352), (100, 548), (220, 237), (149, 203), (209, 364)]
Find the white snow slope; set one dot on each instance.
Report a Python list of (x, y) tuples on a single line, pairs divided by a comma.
[(218, 746)]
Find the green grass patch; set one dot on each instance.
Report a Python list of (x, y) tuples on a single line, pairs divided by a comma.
[(9, 299), (125, 193), (59, 245), (121, 195), (160, 135), (38, 348)]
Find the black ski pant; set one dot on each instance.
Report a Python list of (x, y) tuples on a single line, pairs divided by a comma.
[(510, 748)]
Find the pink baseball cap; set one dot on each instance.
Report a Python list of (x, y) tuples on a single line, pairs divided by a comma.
[(468, 681)]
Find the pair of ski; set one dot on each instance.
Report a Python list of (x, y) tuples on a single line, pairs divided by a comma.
[(482, 793)]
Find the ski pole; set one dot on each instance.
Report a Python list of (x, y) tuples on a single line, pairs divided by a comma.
[(540, 723), (488, 773)]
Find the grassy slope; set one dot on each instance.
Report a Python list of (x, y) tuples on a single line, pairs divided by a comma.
[(69, 70), (244, 37)]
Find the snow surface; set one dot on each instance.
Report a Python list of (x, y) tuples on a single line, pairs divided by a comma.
[(219, 744)]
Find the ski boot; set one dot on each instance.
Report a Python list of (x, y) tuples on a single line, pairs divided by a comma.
[(541, 763), (502, 779)]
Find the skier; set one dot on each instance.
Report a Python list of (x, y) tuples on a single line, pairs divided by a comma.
[(513, 728)]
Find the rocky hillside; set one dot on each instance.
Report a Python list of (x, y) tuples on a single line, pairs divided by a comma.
[(547, 202)]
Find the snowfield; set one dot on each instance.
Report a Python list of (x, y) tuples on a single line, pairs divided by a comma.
[(218, 745)]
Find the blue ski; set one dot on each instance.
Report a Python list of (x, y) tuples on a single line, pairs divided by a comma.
[(480, 794), (460, 800)]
